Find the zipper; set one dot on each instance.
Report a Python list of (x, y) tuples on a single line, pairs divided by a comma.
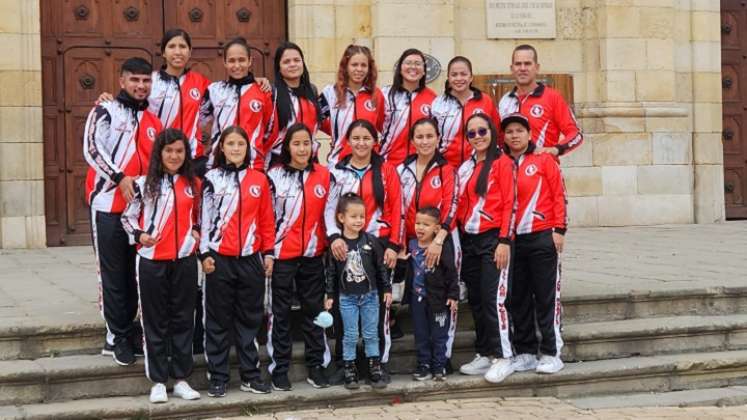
[(303, 210), (176, 219), (464, 129), (238, 238)]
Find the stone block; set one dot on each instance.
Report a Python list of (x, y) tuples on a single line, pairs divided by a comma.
[(619, 86), (583, 211), (559, 56), (654, 85), (21, 124), (395, 18), (672, 148), (486, 56), (665, 179), (656, 22), (591, 125), (470, 22), (615, 210), (706, 56), (321, 54), (21, 161), (708, 149), (707, 87), (353, 21), (709, 194), (663, 209), (621, 149), (20, 88), (579, 157), (12, 232), (706, 26), (583, 181), (620, 22), (570, 22), (623, 54), (619, 180), (36, 232), (707, 117), (323, 78), (705, 5), (660, 54), (683, 93), (21, 198), (20, 52), (682, 24), (683, 56), (668, 124), (623, 124)]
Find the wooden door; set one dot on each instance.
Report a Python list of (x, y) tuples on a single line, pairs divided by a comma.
[(734, 99), (84, 42)]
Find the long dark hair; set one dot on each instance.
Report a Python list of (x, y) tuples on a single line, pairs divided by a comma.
[(219, 158), (173, 33), (285, 155), (304, 90), (398, 80), (376, 160), (491, 155), (342, 72), (457, 59), (155, 168)]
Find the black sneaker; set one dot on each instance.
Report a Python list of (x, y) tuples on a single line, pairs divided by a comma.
[(107, 350), (422, 373), (317, 378), (338, 375), (351, 375), (256, 386), (217, 389), (123, 355), (281, 383), (385, 377), (375, 376), (136, 341), (439, 375)]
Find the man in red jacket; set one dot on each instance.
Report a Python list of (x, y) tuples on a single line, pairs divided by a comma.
[(548, 114)]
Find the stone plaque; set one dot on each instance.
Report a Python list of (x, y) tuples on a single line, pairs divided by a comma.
[(520, 19)]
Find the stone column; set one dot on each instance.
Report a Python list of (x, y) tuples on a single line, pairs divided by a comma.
[(21, 144)]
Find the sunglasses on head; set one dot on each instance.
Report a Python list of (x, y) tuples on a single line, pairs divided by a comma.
[(482, 132)]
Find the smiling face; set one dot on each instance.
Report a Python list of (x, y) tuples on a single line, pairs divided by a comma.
[(516, 137), (177, 53), (357, 68), (300, 149), (478, 133), (362, 143), (425, 139), (237, 61), (136, 85), (412, 68), (172, 157), (291, 65), (234, 147), (353, 218), (524, 67), (459, 77)]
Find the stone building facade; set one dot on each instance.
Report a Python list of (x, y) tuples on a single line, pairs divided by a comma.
[(647, 93)]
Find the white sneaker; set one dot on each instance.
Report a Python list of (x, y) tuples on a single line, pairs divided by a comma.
[(499, 370), (523, 362), (158, 394), (478, 366), (183, 390), (549, 364)]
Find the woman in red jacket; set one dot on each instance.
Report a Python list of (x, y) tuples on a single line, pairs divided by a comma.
[(236, 249), (354, 96), (540, 230), (407, 100), (300, 189), (455, 106), (484, 215), (162, 220)]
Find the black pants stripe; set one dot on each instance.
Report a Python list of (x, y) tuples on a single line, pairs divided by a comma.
[(487, 290), (535, 294), (234, 302), (118, 288), (308, 276), (168, 290)]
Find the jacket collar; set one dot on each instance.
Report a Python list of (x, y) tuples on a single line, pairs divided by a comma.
[(249, 78), (129, 102), (166, 76), (230, 167), (537, 92), (529, 151)]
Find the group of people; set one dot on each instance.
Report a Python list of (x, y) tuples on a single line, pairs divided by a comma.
[(433, 190)]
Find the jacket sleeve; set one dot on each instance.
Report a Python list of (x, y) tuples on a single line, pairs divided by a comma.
[(506, 178), (269, 115), (333, 231), (567, 125), (324, 107), (392, 212), (131, 215), (196, 204), (450, 272), (559, 199), (95, 149), (206, 217), (449, 197), (400, 270), (205, 116), (330, 274), (380, 101), (266, 228), (383, 276)]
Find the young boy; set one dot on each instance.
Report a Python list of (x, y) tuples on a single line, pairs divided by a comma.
[(433, 295)]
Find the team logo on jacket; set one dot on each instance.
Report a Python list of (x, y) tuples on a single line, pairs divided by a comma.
[(369, 105), (436, 181), (319, 191), (536, 110), (425, 109), (255, 191), (151, 132), (478, 111), (531, 170), (255, 105), (188, 191), (194, 93)]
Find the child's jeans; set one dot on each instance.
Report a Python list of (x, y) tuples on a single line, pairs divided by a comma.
[(366, 308), (431, 333)]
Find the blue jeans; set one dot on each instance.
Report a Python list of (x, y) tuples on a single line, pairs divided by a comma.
[(366, 308)]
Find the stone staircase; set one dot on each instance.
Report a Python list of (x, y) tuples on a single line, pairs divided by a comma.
[(617, 344)]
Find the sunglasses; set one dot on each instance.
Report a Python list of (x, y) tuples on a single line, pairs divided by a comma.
[(482, 132)]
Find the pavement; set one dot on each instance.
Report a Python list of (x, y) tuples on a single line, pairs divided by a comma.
[(504, 408)]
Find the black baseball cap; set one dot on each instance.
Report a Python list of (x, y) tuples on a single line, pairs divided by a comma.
[(514, 118)]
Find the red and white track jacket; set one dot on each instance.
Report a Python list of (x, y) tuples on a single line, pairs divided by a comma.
[(399, 115), (438, 188), (336, 119), (117, 142), (541, 197), (548, 114), (384, 223), (495, 210), (176, 101), (170, 218), (237, 217), (299, 198), (239, 102), (304, 111), (452, 116)]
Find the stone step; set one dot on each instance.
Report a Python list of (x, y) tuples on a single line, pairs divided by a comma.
[(721, 397), (662, 373), (32, 342), (93, 376)]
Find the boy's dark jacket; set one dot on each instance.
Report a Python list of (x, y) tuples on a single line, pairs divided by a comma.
[(440, 282), (372, 257)]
